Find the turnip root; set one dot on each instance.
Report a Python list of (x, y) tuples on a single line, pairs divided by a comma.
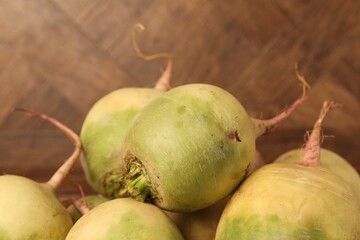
[(79, 207), (124, 218), (31, 210), (301, 200), (104, 127), (331, 161), (189, 148)]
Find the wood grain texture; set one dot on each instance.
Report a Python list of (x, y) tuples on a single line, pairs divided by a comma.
[(60, 56)]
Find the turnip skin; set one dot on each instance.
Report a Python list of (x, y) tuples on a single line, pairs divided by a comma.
[(273, 204), (104, 128), (331, 161), (210, 168), (124, 218), (29, 210), (201, 224)]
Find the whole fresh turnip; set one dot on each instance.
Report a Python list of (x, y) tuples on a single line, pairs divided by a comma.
[(331, 161), (104, 127), (188, 148), (124, 218), (301, 200), (31, 210)]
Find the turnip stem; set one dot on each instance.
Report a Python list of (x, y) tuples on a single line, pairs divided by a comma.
[(138, 185), (57, 178), (311, 156), (164, 81), (263, 127), (134, 183), (81, 206)]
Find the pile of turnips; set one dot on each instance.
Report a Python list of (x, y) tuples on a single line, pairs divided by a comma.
[(181, 163)]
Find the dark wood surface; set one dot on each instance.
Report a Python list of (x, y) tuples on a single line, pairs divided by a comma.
[(60, 56)]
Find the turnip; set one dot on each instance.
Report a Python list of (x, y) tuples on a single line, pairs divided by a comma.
[(201, 224), (31, 210), (301, 200), (331, 161), (105, 124), (124, 218), (189, 148)]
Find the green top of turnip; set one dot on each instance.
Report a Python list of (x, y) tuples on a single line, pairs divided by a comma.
[(196, 138), (300, 200), (30, 210)]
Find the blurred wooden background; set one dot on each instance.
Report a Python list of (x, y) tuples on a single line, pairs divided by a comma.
[(60, 56)]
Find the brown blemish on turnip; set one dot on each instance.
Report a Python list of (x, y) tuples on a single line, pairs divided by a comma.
[(181, 109), (234, 135), (247, 169)]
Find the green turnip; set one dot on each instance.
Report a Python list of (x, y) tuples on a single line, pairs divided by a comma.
[(333, 162), (31, 210), (201, 224), (124, 218), (104, 127), (189, 148), (301, 200)]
